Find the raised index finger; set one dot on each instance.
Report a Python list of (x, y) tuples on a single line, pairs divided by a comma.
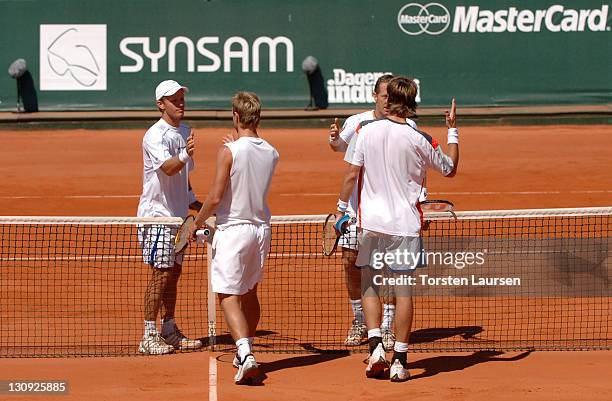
[(453, 107)]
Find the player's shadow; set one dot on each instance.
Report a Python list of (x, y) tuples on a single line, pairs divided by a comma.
[(435, 334), (226, 339), (294, 362), (300, 361), (443, 364)]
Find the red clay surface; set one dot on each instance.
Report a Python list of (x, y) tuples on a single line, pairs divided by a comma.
[(81, 172)]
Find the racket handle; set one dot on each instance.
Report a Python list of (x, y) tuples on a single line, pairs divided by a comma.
[(202, 235)]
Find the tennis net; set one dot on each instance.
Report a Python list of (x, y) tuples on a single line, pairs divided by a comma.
[(75, 286)]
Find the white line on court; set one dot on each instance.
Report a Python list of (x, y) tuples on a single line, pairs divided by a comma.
[(306, 194), (212, 378), (459, 193), (71, 197)]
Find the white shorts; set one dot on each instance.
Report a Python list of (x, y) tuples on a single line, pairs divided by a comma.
[(394, 251), (238, 256), (157, 244)]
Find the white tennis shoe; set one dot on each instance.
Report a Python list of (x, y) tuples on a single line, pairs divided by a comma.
[(388, 339), (377, 363), (398, 373), (357, 334), (248, 371), (153, 344)]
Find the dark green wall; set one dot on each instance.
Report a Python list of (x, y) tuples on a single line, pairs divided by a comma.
[(359, 36)]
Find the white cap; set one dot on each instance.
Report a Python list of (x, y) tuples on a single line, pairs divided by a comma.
[(168, 88)]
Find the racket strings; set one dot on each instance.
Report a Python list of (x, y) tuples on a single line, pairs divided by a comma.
[(329, 235)]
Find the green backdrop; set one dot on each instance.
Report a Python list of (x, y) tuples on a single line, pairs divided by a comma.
[(485, 53)]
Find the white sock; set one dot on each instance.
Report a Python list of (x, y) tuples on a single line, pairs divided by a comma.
[(357, 310), (244, 348), (374, 333), (400, 347), (388, 316), (168, 325), (150, 327)]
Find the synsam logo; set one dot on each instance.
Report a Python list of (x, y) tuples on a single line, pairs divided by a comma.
[(434, 18)]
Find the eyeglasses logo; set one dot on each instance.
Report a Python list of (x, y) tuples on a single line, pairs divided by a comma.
[(73, 57)]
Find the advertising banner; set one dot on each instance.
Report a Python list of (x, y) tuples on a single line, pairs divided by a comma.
[(111, 55)]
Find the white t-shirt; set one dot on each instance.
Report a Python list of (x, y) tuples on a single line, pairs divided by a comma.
[(395, 158), (348, 135), (245, 199), (164, 195), (350, 125)]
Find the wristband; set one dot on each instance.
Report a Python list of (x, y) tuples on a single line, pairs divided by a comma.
[(453, 136), (184, 156), (342, 205), (342, 225)]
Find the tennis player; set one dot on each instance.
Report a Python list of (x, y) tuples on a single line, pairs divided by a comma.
[(394, 158), (167, 150), (240, 245), (339, 141)]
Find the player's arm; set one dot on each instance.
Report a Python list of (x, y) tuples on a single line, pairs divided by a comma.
[(176, 163), (222, 174), (445, 163), (351, 176), (453, 137), (336, 142)]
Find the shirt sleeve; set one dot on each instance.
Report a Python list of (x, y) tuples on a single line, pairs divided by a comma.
[(347, 133), (358, 156), (348, 130), (156, 149), (435, 158)]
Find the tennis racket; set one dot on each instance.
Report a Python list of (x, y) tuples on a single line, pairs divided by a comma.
[(332, 229), (182, 239), (437, 206)]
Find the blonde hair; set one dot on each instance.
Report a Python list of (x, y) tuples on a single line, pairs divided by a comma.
[(401, 99), (248, 107)]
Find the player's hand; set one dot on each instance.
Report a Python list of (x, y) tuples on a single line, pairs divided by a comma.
[(227, 139), (339, 215), (192, 233), (334, 130), (191, 143), (451, 116)]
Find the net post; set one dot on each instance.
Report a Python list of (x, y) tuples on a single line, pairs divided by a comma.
[(212, 305)]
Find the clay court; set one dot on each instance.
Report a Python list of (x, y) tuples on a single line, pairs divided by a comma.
[(80, 172)]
